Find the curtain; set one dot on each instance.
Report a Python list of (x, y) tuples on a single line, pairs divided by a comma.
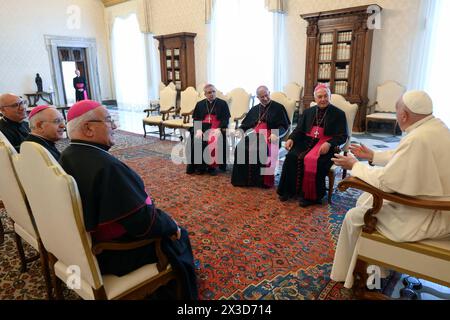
[(439, 65), (275, 5), (143, 15), (129, 63), (241, 45), (430, 64), (279, 56)]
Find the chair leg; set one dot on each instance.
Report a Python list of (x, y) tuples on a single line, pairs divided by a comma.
[(145, 132), (23, 260), (330, 185), (344, 173), (45, 270), (55, 280)]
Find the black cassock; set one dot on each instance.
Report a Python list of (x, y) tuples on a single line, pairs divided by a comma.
[(203, 109), (249, 174), (117, 208), (334, 125), (15, 132), (47, 144), (80, 83)]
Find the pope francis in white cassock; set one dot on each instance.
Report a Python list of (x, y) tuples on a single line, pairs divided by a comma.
[(418, 167)]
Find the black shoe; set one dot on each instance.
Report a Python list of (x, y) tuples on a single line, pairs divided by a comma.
[(283, 198), (190, 169), (200, 171), (223, 167), (305, 203), (212, 171)]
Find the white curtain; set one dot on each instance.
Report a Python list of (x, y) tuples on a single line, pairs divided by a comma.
[(430, 64), (241, 45), (279, 52), (129, 64)]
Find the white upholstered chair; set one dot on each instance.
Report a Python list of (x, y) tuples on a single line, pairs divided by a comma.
[(18, 209), (350, 114), (57, 208), (289, 104), (189, 98), (167, 105), (294, 91), (383, 110), (426, 259), (239, 105)]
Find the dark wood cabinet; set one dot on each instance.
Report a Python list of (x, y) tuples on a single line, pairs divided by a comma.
[(338, 52), (177, 59)]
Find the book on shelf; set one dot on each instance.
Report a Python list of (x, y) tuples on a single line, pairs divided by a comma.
[(169, 63), (176, 52), (168, 52), (176, 63)]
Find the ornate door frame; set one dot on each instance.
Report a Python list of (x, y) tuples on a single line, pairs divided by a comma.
[(89, 44)]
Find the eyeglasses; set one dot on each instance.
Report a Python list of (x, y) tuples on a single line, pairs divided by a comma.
[(20, 103), (110, 121), (55, 121)]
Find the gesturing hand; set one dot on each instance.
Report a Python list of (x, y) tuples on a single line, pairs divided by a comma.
[(361, 151), (345, 162)]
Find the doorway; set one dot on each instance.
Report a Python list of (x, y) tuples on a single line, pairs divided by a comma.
[(72, 59)]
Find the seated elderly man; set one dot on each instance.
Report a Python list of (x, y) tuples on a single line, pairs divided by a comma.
[(418, 167), (116, 206), (12, 125), (47, 127)]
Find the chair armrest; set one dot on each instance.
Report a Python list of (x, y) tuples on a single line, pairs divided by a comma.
[(162, 262), (120, 246), (371, 108), (151, 109), (240, 117), (378, 195), (186, 116), (165, 113), (170, 110)]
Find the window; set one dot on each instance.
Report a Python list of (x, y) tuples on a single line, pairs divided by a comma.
[(129, 64), (241, 45)]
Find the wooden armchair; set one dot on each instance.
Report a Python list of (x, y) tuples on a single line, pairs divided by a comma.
[(383, 110), (167, 104), (57, 208), (426, 259), (189, 98)]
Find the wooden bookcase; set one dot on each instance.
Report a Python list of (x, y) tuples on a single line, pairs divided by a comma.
[(177, 59), (338, 52)]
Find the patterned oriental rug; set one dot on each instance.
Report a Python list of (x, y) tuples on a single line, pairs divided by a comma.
[(249, 244)]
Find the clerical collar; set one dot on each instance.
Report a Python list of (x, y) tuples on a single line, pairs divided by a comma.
[(12, 122), (90, 144), (43, 139)]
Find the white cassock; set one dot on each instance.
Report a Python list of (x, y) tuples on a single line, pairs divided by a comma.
[(419, 167)]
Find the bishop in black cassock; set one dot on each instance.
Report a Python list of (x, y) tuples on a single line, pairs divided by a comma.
[(258, 124), (116, 207)]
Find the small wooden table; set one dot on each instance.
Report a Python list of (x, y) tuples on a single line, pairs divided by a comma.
[(33, 98)]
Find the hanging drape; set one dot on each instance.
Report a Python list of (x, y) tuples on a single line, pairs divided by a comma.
[(276, 6)]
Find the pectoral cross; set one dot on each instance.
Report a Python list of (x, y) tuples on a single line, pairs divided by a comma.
[(316, 133), (209, 119)]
